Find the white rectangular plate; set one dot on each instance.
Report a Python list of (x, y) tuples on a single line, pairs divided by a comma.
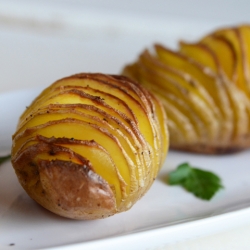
[(165, 214)]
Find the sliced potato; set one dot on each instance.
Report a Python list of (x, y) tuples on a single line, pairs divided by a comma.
[(90, 145), (224, 53), (205, 89)]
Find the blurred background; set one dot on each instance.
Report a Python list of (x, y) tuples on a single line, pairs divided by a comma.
[(44, 40)]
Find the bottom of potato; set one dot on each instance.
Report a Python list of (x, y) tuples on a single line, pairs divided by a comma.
[(234, 147)]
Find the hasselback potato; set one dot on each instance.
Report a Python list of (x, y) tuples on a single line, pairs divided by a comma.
[(90, 145), (205, 89)]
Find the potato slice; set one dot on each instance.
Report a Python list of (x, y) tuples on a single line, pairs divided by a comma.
[(202, 54), (233, 37), (244, 34), (224, 53)]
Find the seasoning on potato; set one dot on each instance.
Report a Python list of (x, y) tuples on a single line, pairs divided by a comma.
[(90, 145), (205, 90)]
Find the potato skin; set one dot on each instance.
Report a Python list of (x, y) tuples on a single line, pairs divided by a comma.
[(204, 87), (90, 145), (66, 188)]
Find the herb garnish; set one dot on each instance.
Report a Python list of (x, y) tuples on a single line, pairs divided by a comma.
[(203, 184), (4, 159)]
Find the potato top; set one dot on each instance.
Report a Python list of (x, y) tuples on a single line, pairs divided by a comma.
[(90, 145), (205, 90)]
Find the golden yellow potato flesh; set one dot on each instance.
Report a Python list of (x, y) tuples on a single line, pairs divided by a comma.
[(205, 89), (90, 145)]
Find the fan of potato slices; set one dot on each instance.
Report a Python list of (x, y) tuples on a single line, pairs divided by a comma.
[(205, 89), (90, 145)]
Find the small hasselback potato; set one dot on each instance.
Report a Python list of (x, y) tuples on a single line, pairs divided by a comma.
[(90, 145), (205, 90)]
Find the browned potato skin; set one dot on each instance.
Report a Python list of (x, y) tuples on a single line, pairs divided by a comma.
[(230, 92), (65, 188), (65, 181), (213, 150)]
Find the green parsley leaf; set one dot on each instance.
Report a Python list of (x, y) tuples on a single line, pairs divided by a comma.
[(4, 159), (203, 184)]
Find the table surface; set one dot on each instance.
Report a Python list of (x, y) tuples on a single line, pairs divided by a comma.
[(19, 17)]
